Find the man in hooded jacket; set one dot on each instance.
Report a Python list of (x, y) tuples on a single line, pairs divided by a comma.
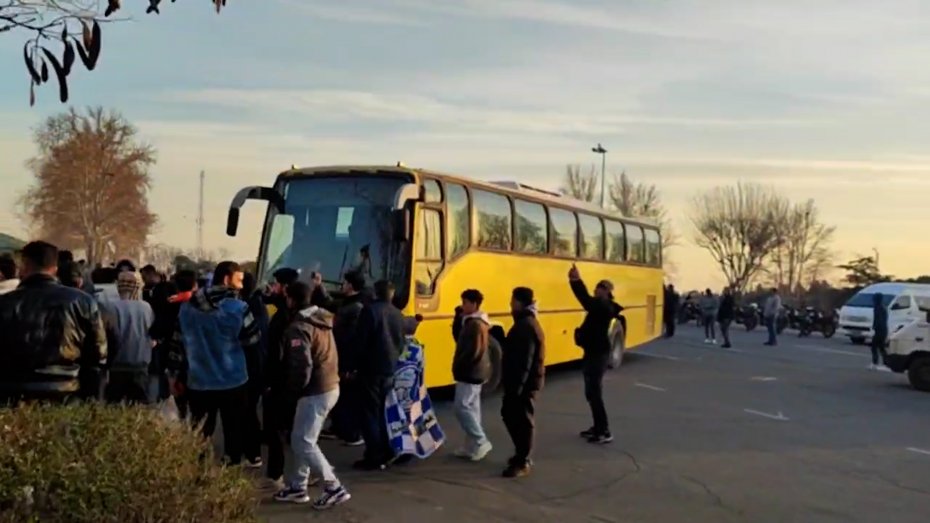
[(593, 336), (471, 368)]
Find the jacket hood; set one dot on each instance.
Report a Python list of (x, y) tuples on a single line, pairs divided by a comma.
[(317, 317), (209, 299), (478, 315), (530, 310)]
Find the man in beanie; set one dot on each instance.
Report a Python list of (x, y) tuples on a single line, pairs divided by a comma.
[(129, 320), (522, 375), (593, 336)]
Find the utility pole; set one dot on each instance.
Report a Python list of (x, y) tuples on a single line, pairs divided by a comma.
[(603, 152), (200, 219)]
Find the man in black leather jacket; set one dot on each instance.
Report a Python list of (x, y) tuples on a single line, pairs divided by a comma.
[(52, 339)]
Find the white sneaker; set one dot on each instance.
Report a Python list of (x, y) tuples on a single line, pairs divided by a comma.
[(714, 342), (481, 452), (463, 452), (873, 366), (706, 340), (882, 368)]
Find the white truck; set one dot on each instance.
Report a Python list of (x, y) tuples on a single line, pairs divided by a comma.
[(905, 302), (909, 351)]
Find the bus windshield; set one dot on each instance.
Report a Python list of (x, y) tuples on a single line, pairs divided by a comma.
[(334, 225), (865, 300)]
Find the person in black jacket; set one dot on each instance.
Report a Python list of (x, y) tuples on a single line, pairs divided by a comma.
[(255, 361), (725, 314), (346, 415), (593, 336), (670, 310), (382, 334), (523, 373), (52, 337)]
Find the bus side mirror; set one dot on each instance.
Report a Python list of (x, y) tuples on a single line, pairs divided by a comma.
[(232, 222), (400, 221)]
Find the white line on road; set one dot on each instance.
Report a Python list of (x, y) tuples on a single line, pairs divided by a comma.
[(833, 351), (650, 387), (919, 451), (779, 417), (763, 378), (660, 356)]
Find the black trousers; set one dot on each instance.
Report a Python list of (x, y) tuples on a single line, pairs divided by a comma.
[(347, 421), (879, 340), (725, 330), (595, 366), (519, 414), (131, 386), (670, 323), (231, 404), (251, 426), (373, 393)]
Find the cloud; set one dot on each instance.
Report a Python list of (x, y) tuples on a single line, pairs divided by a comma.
[(347, 106), (353, 13)]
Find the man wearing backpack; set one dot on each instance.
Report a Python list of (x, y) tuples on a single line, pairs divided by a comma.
[(593, 336)]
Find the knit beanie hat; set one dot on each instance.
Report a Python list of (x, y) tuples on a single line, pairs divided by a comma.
[(129, 285)]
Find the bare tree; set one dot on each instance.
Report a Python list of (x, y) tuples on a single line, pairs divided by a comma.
[(91, 184), (803, 249), (580, 185), (642, 200), (739, 227), (69, 27)]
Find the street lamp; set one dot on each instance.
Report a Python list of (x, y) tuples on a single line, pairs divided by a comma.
[(603, 152)]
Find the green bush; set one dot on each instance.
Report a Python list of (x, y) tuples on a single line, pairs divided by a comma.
[(96, 463)]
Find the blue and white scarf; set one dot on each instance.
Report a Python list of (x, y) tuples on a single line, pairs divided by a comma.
[(412, 425)]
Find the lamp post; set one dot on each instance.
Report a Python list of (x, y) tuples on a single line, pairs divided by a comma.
[(603, 152)]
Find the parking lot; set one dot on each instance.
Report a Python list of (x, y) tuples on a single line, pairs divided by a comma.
[(799, 432)]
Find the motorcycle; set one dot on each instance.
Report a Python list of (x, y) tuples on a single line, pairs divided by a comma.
[(749, 317), (815, 321)]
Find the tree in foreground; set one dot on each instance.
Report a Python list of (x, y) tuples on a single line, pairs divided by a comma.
[(739, 227), (91, 184), (62, 31)]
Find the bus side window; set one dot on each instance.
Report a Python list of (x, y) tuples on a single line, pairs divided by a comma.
[(636, 248), (459, 229), (428, 251), (592, 237), (564, 232), (616, 241), (653, 248)]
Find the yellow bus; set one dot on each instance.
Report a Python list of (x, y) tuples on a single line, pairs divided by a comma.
[(434, 235)]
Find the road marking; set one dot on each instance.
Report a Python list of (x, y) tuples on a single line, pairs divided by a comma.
[(650, 387), (779, 417), (660, 356), (833, 351), (919, 451), (763, 378)]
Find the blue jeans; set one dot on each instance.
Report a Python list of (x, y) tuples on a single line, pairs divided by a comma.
[(468, 412), (308, 422), (770, 325)]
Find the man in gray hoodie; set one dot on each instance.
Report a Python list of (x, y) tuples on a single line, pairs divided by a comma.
[(129, 319), (708, 305)]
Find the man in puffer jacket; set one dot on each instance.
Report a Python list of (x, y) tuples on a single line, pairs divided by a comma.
[(311, 374), (471, 368)]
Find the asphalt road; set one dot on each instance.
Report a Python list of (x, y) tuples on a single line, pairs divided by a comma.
[(800, 432)]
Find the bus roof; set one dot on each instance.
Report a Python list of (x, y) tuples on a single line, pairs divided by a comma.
[(507, 187)]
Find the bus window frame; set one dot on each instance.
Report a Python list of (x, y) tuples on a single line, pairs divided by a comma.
[(439, 207), (581, 236), (545, 208), (471, 225), (473, 208)]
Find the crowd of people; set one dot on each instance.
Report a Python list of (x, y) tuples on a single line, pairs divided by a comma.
[(223, 346)]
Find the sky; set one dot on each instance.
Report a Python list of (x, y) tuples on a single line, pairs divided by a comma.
[(827, 100)]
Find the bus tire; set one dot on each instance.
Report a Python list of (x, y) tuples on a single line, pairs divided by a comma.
[(617, 348), (918, 373)]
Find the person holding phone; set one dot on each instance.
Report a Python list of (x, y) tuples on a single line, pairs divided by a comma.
[(593, 336)]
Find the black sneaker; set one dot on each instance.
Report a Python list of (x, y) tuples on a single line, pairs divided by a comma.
[(368, 466), (517, 470), (601, 439), (586, 434)]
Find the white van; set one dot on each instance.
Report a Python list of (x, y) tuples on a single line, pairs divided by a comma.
[(906, 302)]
